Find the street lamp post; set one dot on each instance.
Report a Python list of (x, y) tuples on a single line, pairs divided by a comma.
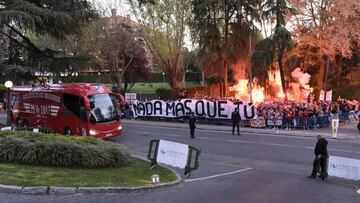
[(8, 85), (163, 77), (99, 77), (184, 78)]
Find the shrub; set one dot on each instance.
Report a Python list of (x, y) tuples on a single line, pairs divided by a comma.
[(164, 93), (60, 151), (2, 92)]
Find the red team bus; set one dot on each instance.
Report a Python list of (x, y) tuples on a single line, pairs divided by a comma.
[(71, 109)]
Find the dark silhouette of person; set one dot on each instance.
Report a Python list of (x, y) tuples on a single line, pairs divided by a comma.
[(235, 118), (321, 155), (192, 125)]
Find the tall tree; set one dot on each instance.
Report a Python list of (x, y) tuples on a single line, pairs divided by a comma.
[(216, 25), (164, 24), (326, 30), (52, 18), (278, 10), (122, 50)]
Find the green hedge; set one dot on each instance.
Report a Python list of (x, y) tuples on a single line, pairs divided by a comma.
[(2, 92), (60, 151), (165, 93)]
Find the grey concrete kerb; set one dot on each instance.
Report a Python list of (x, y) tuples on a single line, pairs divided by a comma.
[(53, 190)]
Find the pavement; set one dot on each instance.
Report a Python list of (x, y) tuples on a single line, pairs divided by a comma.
[(250, 168), (348, 131)]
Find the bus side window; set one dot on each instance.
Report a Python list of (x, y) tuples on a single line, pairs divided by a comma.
[(76, 105)]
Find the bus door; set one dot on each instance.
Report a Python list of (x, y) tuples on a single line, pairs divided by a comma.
[(73, 117)]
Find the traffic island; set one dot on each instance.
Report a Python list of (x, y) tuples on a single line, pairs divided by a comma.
[(37, 180), (54, 164)]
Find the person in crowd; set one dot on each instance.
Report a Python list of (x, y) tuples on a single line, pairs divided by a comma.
[(358, 125), (235, 118), (321, 155), (192, 125)]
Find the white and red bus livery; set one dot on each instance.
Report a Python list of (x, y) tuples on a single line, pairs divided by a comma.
[(73, 109)]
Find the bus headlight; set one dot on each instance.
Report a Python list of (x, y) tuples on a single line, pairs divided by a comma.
[(92, 132), (120, 127)]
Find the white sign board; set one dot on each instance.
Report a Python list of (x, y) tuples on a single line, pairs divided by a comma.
[(172, 153), (130, 97), (344, 168), (6, 128), (36, 130)]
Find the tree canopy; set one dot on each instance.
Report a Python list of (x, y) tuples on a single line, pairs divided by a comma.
[(24, 21)]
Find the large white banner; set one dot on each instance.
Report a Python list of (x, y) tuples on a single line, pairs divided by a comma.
[(344, 168), (172, 153), (220, 109)]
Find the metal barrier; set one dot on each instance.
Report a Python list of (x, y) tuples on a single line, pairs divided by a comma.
[(305, 123)]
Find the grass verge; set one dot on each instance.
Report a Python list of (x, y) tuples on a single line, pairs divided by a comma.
[(137, 173)]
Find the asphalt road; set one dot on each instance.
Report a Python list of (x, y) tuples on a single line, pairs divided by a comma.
[(246, 168)]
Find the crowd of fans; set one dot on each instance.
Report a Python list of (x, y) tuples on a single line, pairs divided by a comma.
[(307, 115)]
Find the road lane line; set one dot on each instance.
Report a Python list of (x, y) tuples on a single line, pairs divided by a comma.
[(217, 175), (206, 138), (165, 134), (139, 132), (172, 135), (223, 164), (275, 133), (280, 145), (242, 141), (340, 150)]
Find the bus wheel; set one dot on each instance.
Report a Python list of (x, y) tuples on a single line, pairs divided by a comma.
[(25, 124), (67, 131), (18, 122)]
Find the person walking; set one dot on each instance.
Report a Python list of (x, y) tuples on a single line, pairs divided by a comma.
[(235, 118), (321, 155), (192, 125)]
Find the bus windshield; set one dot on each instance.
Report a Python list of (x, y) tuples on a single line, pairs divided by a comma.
[(103, 108)]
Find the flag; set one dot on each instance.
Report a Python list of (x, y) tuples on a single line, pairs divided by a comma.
[(322, 95)]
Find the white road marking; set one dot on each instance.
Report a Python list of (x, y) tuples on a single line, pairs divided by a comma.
[(241, 141), (217, 175), (173, 135), (280, 145), (223, 164), (340, 150), (206, 138), (358, 191), (139, 132)]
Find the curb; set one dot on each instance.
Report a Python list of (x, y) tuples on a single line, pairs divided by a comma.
[(246, 130), (62, 190), (40, 190), (11, 189), (53, 190)]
